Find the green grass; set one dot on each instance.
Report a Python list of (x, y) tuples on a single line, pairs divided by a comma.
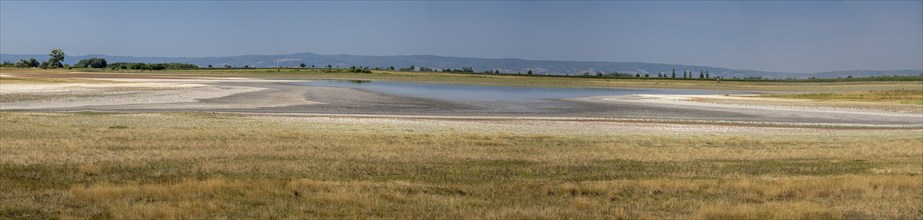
[(912, 102), (902, 96)]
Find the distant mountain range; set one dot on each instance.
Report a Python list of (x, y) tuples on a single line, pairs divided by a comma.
[(479, 64)]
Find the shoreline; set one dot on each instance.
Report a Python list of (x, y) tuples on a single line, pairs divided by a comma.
[(171, 93), (281, 97), (744, 102)]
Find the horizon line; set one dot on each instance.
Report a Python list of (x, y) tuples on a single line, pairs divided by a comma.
[(539, 60)]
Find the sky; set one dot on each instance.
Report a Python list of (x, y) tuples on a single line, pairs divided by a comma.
[(787, 36)]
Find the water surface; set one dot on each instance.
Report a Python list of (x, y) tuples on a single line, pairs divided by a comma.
[(479, 93)]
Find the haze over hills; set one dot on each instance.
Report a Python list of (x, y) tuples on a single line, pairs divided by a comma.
[(507, 65)]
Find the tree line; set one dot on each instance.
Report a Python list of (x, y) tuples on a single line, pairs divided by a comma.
[(56, 60), (150, 66)]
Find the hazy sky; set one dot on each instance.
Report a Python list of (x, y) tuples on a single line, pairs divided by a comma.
[(775, 36)]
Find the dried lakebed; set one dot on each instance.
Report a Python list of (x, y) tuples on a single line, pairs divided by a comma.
[(264, 96)]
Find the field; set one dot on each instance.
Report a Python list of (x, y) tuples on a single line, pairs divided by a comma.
[(174, 165), (901, 96), (195, 165)]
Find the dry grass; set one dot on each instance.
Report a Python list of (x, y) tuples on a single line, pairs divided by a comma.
[(902, 96), (184, 165), (48, 80), (896, 100)]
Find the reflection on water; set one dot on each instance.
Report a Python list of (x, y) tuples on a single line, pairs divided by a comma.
[(477, 93), (355, 81)]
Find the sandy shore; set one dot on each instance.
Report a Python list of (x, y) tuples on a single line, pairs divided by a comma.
[(753, 102), (151, 93), (147, 93), (749, 102)]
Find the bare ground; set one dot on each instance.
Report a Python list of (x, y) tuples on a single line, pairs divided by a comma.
[(120, 93)]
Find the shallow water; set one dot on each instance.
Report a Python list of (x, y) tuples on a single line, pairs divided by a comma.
[(478, 93)]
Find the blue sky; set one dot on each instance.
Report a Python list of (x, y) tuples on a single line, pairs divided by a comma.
[(775, 36)]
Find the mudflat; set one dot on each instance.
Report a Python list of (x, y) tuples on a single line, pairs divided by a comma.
[(152, 93)]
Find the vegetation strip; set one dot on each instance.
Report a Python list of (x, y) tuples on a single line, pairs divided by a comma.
[(204, 165)]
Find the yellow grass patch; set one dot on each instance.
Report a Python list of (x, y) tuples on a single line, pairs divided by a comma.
[(192, 165)]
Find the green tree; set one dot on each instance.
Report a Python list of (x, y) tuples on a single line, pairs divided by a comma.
[(209, 66), (530, 72), (303, 65), (22, 64), (92, 63), (57, 58)]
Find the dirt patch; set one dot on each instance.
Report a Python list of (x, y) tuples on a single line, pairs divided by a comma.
[(162, 93)]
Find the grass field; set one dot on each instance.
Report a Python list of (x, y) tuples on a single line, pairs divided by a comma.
[(901, 96), (201, 165), (47, 80), (210, 165)]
